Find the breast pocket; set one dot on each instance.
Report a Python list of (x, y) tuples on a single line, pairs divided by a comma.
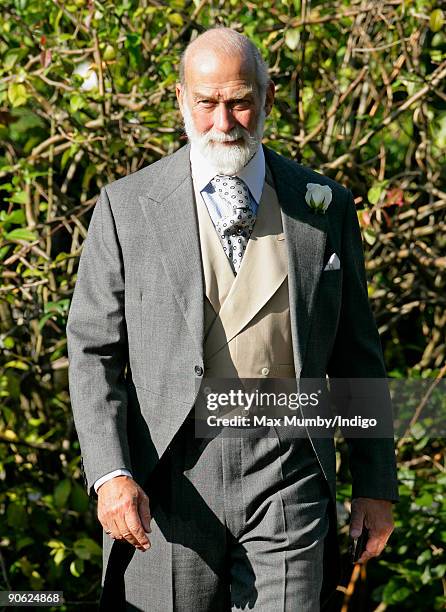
[(330, 284), (328, 306), (330, 273)]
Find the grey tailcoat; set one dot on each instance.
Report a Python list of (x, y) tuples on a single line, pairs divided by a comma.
[(135, 325)]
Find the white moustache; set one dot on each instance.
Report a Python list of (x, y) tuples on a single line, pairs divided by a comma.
[(235, 134)]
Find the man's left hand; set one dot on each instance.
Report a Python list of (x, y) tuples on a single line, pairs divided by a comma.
[(376, 515)]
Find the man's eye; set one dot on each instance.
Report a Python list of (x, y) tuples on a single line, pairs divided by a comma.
[(241, 104), (205, 103)]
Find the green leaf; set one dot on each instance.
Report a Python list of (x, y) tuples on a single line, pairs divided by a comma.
[(59, 556), (425, 500), (26, 120), (20, 197), (16, 217), (394, 593), (44, 319), (109, 53), (21, 234), (77, 567), (426, 575), (438, 131), (17, 364), (76, 102), (4, 252), (17, 94), (13, 385), (417, 430), (61, 257), (10, 59), (440, 570), (89, 173), (8, 342), (24, 542), (60, 307), (369, 236), (61, 493), (292, 38), (68, 154), (401, 594), (16, 516), (175, 19), (422, 443), (133, 45), (86, 548), (374, 194), (425, 556), (36, 580), (78, 499), (436, 20), (55, 544)]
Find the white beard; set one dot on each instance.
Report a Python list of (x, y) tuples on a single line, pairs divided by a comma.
[(226, 159)]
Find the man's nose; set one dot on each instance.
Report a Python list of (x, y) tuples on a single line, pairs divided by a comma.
[(223, 119)]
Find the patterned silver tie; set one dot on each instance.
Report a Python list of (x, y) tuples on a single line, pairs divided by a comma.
[(235, 229)]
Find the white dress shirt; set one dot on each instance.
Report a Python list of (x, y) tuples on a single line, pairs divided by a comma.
[(253, 174)]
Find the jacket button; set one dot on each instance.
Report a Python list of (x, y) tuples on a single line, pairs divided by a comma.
[(198, 370), (265, 371)]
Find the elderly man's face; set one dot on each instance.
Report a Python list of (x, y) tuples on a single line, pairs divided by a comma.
[(222, 110)]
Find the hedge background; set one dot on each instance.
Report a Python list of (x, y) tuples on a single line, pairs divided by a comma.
[(87, 96)]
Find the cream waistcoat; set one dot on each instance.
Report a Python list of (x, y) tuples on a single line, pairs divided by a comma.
[(247, 316)]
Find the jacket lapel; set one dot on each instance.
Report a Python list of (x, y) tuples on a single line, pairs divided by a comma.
[(252, 288), (305, 234), (169, 210)]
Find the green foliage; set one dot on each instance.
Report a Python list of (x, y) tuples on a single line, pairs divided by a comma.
[(87, 95), (411, 574), (416, 561)]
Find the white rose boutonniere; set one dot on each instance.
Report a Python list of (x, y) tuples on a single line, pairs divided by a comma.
[(318, 197)]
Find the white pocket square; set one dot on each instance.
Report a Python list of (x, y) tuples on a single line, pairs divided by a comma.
[(333, 263)]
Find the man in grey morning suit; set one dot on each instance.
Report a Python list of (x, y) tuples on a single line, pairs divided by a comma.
[(162, 299)]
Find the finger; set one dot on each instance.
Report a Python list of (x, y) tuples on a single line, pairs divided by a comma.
[(124, 532), (364, 557), (106, 519), (136, 528), (376, 543), (374, 548), (112, 530), (105, 526), (356, 522), (144, 513)]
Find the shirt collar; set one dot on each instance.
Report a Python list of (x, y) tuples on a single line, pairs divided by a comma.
[(253, 174)]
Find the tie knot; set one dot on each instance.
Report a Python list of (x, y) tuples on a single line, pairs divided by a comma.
[(232, 189)]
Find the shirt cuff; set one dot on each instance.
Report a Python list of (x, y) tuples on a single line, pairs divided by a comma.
[(100, 481)]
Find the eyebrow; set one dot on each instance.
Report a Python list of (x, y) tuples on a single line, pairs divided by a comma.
[(237, 96)]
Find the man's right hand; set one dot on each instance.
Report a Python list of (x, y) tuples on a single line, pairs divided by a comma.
[(124, 511)]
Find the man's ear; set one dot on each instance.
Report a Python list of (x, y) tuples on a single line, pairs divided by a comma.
[(269, 98), (179, 93)]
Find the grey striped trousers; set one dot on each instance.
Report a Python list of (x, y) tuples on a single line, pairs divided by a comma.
[(238, 523)]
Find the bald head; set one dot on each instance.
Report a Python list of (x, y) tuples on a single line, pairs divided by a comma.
[(221, 45)]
